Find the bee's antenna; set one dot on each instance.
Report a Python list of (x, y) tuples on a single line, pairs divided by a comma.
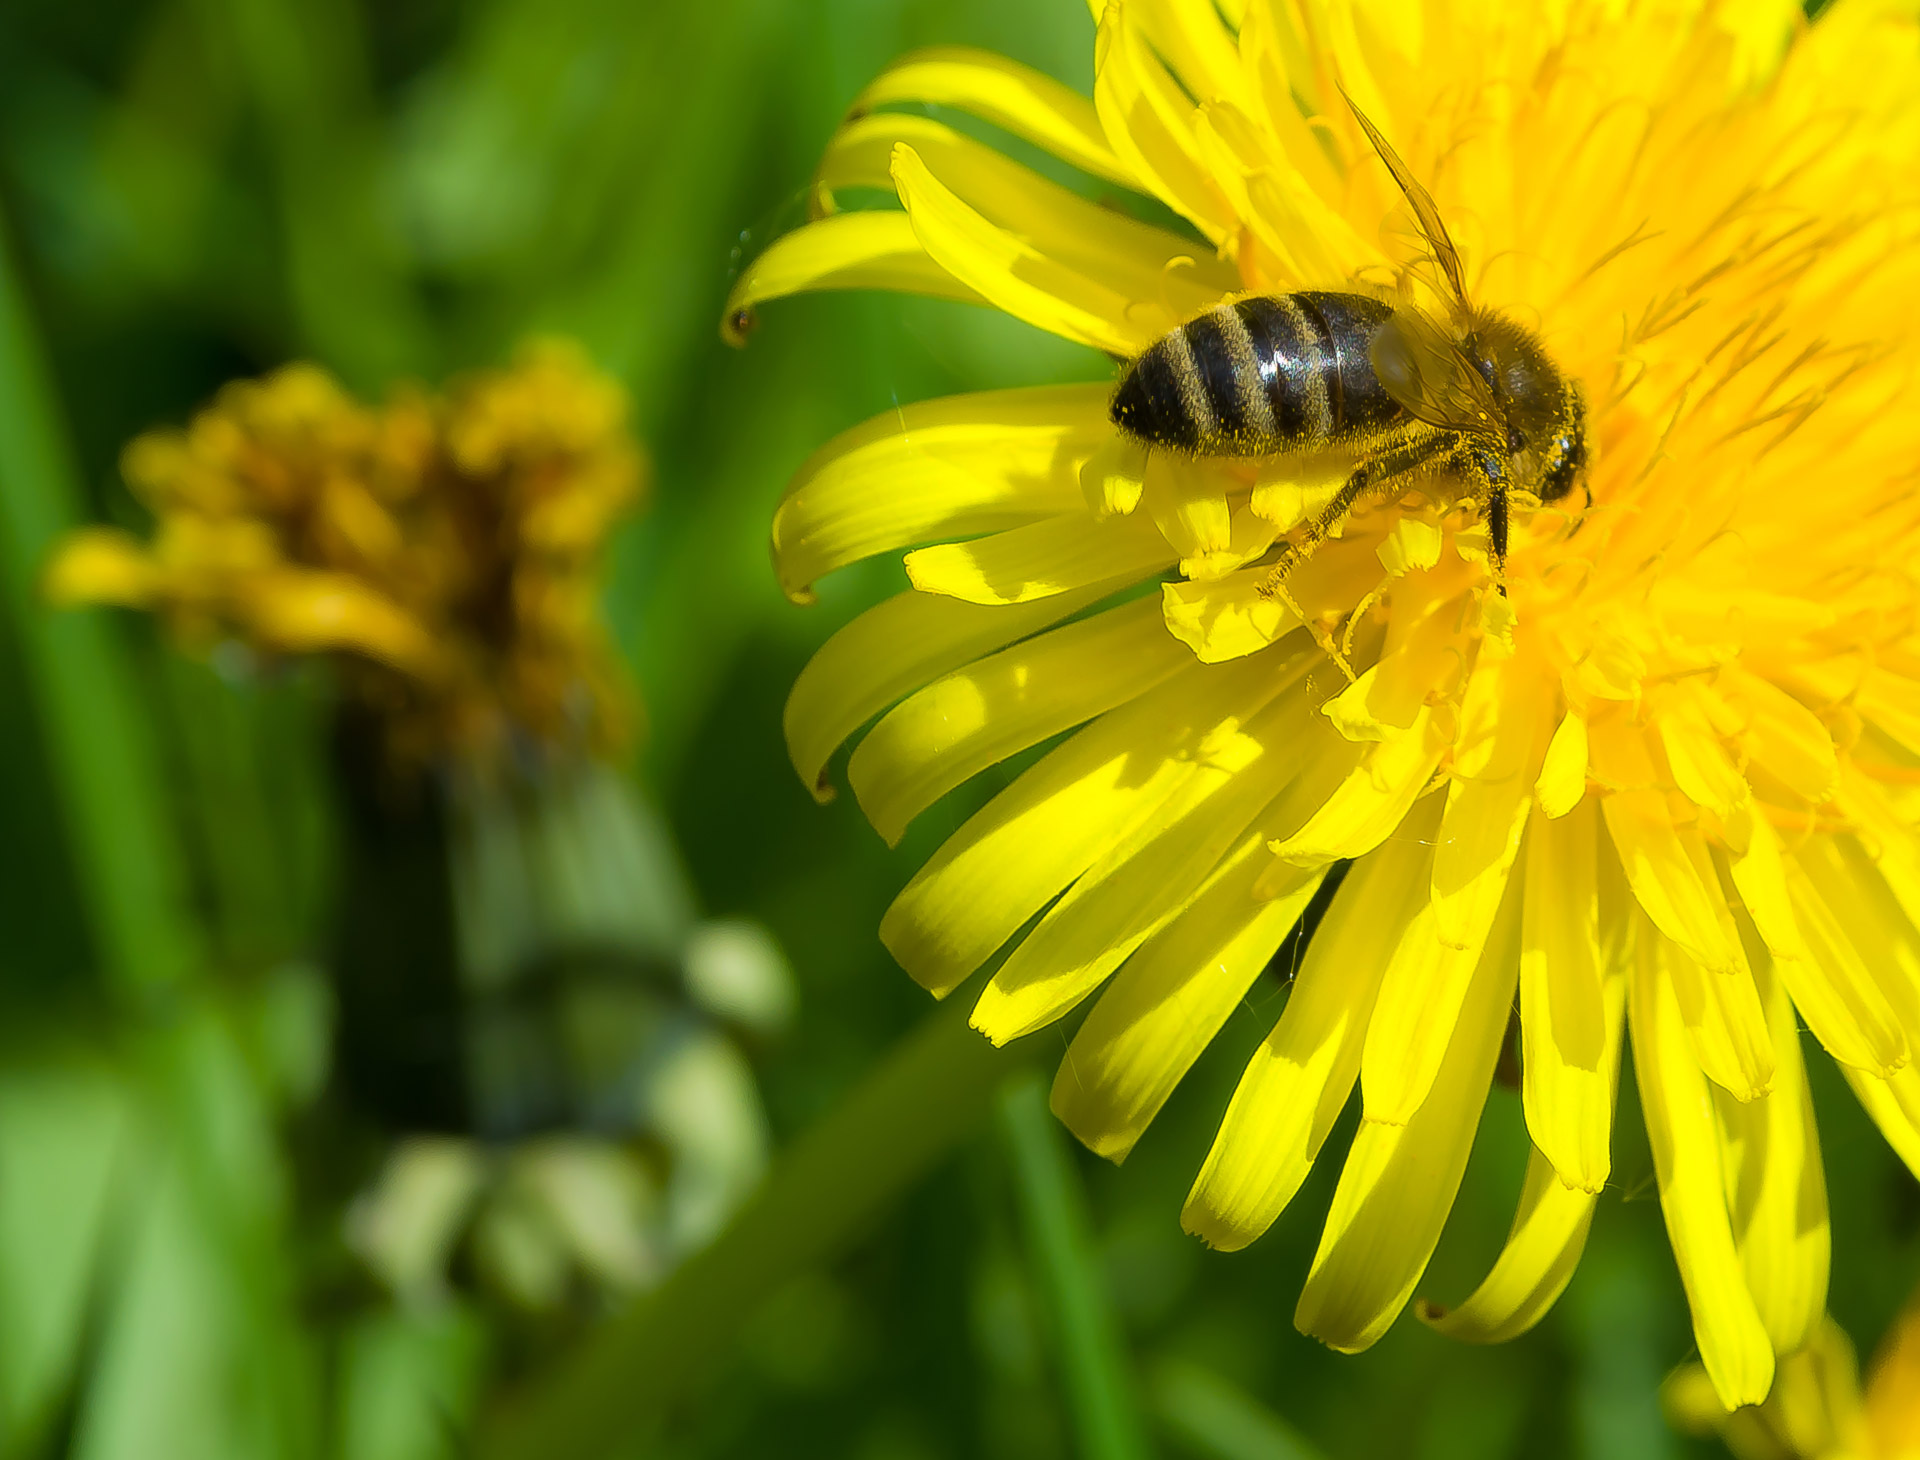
[(1424, 208)]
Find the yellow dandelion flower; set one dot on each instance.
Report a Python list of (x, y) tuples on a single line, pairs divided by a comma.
[(1818, 1409), (447, 549), (1668, 783)]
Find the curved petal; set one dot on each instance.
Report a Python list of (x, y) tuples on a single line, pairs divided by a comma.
[(1882, 836), (1687, 1164), (1543, 1247), (1114, 477), (1776, 1189), (1496, 759), (1199, 48), (1571, 1002), (1423, 989), (1853, 890), (1372, 802), (1726, 1026), (1168, 1002), (849, 251), (1399, 1181), (1023, 101), (1297, 1082), (1149, 122), (942, 468), (1137, 259), (301, 610), (1152, 873), (1891, 702), (1230, 616), (1701, 767), (893, 649), (1563, 774), (1014, 854), (1227, 618), (1017, 277), (102, 565), (1834, 990), (1421, 995), (1672, 879), (996, 707), (1889, 1109), (1040, 559), (1419, 662), (1785, 738), (1761, 878), (1666, 866), (1187, 497)]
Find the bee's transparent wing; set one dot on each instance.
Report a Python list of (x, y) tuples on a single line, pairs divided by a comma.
[(1424, 208), (1418, 364)]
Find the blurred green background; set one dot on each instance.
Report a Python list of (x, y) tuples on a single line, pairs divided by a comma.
[(194, 190)]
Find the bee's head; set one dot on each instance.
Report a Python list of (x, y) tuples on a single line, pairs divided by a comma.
[(1546, 413), (1563, 460)]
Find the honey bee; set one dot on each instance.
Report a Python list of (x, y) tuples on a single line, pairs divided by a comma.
[(1474, 399)]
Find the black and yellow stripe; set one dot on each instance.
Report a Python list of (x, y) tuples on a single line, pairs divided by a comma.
[(1268, 373)]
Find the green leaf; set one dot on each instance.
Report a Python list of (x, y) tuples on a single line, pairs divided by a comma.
[(1090, 1348), (832, 1183), (407, 1385), (1218, 1420), (302, 67), (63, 1128), (200, 1355), (94, 726)]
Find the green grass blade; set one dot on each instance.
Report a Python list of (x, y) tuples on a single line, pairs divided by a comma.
[(303, 68), (65, 1124), (93, 724), (915, 1106), (1091, 1349), (201, 1236)]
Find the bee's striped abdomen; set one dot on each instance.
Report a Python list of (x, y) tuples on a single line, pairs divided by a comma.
[(1269, 373)]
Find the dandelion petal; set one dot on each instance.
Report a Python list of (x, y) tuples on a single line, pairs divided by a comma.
[(1687, 1164), (1399, 1180), (1167, 1003), (1298, 1080), (1776, 1190), (1533, 1269)]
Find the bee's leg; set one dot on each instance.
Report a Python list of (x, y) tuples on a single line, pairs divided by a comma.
[(1275, 586), (1359, 613), (1477, 461), (1395, 461), (1497, 534)]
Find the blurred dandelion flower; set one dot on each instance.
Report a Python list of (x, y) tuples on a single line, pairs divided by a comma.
[(1674, 789), (446, 550), (1817, 1410), (524, 994)]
